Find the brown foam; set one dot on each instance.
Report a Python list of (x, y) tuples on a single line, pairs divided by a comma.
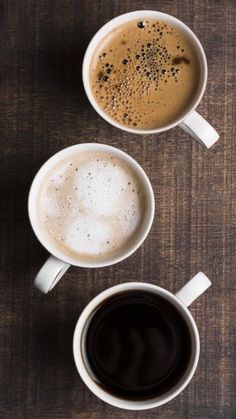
[(145, 77), (90, 200)]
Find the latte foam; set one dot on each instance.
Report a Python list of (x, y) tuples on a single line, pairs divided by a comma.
[(91, 206)]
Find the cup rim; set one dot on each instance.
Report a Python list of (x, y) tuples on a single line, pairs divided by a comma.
[(39, 178), (79, 361), (115, 22)]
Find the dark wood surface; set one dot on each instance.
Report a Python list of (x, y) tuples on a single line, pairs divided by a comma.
[(43, 109)]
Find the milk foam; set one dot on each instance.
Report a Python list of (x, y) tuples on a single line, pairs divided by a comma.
[(91, 205)]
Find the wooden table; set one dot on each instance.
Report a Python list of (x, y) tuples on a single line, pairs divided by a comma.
[(43, 109)]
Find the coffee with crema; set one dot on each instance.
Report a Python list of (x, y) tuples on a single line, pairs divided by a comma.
[(91, 206), (145, 74)]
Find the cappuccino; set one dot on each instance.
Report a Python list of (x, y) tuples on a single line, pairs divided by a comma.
[(91, 206), (145, 74)]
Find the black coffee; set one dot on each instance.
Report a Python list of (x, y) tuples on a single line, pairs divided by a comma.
[(138, 345)]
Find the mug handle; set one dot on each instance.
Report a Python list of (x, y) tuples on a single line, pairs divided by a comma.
[(50, 273), (193, 289), (196, 126)]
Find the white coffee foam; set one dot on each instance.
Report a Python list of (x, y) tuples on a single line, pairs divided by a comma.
[(58, 177), (88, 235), (50, 205), (100, 186), (91, 204)]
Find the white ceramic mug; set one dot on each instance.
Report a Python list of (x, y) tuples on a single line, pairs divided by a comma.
[(191, 122), (181, 300), (58, 262)]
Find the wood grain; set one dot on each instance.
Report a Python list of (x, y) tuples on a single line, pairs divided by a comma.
[(43, 109)]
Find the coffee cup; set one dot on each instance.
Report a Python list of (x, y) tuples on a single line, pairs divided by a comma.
[(127, 365), (90, 205), (188, 118)]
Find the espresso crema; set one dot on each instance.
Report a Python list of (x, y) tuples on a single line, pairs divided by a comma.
[(145, 74)]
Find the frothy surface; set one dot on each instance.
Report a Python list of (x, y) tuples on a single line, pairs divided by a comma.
[(145, 74), (91, 206)]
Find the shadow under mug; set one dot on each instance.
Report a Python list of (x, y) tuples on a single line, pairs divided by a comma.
[(191, 122), (181, 300), (58, 263)]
